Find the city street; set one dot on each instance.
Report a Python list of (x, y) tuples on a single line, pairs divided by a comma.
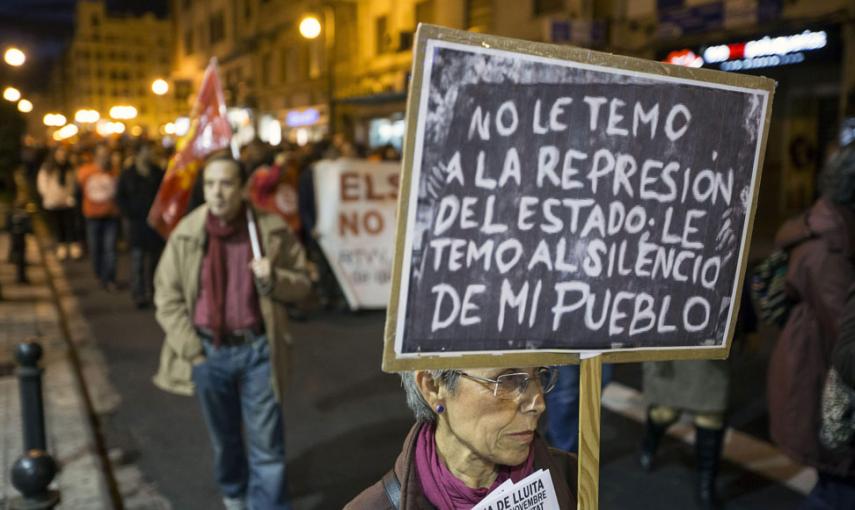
[(523, 183), (345, 418)]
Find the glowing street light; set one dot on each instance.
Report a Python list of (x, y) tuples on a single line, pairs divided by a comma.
[(160, 86), (86, 116), (106, 128), (310, 27), (123, 112), (25, 106), (14, 57), (11, 94), (54, 119), (66, 131)]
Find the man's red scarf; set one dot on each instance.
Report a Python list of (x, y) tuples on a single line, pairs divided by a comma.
[(218, 231)]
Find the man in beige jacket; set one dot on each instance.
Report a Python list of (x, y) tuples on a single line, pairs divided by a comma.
[(226, 332)]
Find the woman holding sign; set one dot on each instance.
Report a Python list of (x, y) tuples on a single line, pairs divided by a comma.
[(475, 431)]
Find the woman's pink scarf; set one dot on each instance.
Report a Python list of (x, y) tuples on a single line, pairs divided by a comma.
[(442, 488)]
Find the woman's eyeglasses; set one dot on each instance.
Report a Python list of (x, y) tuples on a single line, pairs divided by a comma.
[(512, 386)]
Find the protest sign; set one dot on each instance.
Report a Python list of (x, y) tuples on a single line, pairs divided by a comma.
[(558, 201), (355, 226)]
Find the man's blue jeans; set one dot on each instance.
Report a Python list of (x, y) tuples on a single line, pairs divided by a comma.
[(101, 238), (234, 387), (143, 263), (562, 408)]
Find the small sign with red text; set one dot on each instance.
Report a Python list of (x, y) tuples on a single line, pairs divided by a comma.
[(356, 201), (534, 492)]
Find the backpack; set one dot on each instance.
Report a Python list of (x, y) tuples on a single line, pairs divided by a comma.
[(769, 289), (769, 283)]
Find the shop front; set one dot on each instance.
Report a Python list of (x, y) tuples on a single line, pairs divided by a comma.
[(305, 124), (806, 118)]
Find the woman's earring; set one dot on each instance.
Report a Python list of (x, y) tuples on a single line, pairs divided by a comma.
[(440, 408)]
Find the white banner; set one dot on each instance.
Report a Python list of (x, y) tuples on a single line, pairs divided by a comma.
[(356, 201)]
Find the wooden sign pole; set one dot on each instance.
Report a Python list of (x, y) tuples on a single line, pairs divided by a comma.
[(590, 391)]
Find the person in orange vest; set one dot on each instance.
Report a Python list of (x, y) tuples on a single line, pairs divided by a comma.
[(98, 181)]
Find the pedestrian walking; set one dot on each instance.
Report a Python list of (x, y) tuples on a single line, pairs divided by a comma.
[(99, 182), (138, 185), (326, 285), (820, 270), (838, 414), (226, 332), (474, 430), (56, 186), (562, 407), (700, 388)]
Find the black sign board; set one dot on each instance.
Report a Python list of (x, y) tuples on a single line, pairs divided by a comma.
[(557, 200)]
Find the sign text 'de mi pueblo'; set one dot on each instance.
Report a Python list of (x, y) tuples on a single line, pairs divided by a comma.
[(556, 199)]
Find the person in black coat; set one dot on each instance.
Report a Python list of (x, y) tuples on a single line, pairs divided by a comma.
[(138, 185)]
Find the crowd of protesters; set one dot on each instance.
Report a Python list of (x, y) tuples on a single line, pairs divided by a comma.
[(97, 197)]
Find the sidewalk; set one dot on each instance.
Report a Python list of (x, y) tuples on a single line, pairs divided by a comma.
[(29, 311), (74, 369)]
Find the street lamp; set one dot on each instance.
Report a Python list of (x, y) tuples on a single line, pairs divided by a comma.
[(160, 86), (11, 94), (25, 106), (66, 131), (311, 28), (54, 119), (86, 116), (123, 112), (14, 57)]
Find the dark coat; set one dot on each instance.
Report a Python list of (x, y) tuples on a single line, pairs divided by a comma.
[(843, 358), (562, 466), (135, 194), (819, 273)]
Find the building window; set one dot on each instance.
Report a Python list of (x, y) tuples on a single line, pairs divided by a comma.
[(381, 37), (95, 21), (547, 6), (217, 26), (425, 12), (285, 58), (247, 9), (183, 89), (265, 69), (188, 41), (200, 34), (479, 15)]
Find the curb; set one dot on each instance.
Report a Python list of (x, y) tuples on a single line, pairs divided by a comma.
[(83, 372)]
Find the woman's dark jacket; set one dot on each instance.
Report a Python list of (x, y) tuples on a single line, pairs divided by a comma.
[(820, 271), (135, 195), (561, 465)]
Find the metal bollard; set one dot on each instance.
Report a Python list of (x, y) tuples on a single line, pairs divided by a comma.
[(33, 472), (19, 226)]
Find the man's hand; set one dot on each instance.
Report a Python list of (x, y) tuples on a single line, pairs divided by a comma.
[(261, 270), (198, 359)]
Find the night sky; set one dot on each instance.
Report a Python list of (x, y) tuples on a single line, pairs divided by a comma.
[(43, 28)]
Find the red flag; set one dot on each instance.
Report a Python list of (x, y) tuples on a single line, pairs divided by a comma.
[(209, 131)]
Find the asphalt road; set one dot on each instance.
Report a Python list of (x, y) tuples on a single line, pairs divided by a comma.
[(345, 419)]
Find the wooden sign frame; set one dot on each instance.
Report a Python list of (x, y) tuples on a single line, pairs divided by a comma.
[(395, 363)]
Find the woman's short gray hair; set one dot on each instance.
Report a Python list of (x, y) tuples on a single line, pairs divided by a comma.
[(837, 179), (421, 409)]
